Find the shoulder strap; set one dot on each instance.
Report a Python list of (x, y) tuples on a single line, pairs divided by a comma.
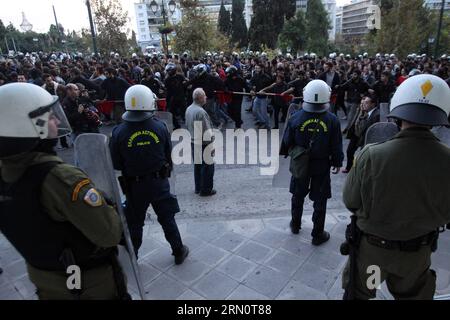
[(39, 171)]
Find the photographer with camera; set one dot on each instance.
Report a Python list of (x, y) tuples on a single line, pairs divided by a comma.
[(141, 149), (81, 117)]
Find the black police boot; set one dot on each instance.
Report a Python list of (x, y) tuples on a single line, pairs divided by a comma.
[(295, 227), (208, 194), (318, 240), (181, 256)]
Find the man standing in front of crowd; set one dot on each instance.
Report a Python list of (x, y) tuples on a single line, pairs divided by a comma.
[(398, 193), (141, 149), (332, 79), (368, 115), (200, 126), (317, 131), (259, 81), (356, 88)]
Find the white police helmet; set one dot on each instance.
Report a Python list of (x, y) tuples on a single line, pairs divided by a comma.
[(140, 103), (316, 96), (423, 99), (28, 113)]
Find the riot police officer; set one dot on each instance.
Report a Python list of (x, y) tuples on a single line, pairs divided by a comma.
[(50, 211), (235, 83), (314, 128), (397, 191), (176, 93), (141, 148)]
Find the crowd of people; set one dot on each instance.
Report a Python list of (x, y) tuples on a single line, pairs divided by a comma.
[(214, 87), (80, 81)]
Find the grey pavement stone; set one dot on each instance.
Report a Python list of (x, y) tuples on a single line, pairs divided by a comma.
[(164, 288), (237, 267), (254, 251), (295, 290), (9, 256), (8, 292), (441, 260), (193, 242), (271, 237), (206, 231), (295, 245), (339, 230), (280, 224), (336, 292), (210, 254), (284, 262), (327, 260), (148, 273), (190, 295), (266, 281), (215, 285), (25, 287), (316, 277), (161, 258), (16, 270), (247, 228), (148, 246), (229, 241), (245, 293), (442, 281), (189, 272)]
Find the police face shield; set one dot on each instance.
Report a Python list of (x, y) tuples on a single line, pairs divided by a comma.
[(51, 121)]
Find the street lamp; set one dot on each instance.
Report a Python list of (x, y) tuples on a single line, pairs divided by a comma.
[(36, 40), (154, 7)]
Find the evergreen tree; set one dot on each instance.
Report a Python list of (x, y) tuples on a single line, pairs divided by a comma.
[(224, 23), (239, 31), (268, 21), (293, 34), (195, 33), (406, 27), (317, 25), (110, 20)]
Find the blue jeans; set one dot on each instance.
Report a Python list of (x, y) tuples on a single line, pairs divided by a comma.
[(203, 175), (260, 109), (211, 109), (222, 113)]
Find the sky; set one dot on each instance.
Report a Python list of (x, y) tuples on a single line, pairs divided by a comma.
[(72, 14)]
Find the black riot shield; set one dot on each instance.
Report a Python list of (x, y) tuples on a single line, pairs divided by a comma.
[(92, 155), (167, 118), (380, 132)]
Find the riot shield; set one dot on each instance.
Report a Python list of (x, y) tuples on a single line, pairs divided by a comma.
[(92, 155), (282, 178), (380, 132), (384, 111), (443, 133), (167, 118)]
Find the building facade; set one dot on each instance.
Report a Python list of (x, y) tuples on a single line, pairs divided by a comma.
[(148, 23), (437, 4), (338, 20), (212, 8), (354, 19)]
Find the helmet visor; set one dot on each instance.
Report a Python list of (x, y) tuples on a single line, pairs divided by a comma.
[(57, 124)]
